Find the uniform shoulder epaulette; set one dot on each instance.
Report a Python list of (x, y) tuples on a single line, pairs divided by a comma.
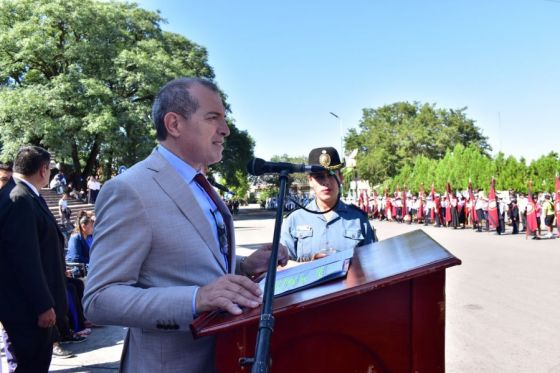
[(356, 208), (286, 214)]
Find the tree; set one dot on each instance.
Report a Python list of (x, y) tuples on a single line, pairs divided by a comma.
[(79, 78), (543, 172), (397, 134)]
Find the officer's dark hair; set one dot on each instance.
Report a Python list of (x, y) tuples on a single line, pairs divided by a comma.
[(30, 159), (6, 167), (175, 97)]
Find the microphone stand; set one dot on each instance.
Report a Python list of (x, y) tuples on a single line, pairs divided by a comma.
[(266, 323)]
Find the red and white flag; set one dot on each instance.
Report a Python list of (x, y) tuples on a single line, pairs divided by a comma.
[(432, 210), (531, 212), (388, 208), (557, 202), (421, 204), (448, 206), (472, 201), (492, 205)]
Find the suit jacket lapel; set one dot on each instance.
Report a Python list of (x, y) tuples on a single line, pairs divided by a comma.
[(175, 187)]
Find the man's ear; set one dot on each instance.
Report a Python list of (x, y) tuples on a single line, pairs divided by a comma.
[(171, 122), (44, 170)]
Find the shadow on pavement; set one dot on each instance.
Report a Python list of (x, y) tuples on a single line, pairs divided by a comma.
[(100, 337), (93, 368)]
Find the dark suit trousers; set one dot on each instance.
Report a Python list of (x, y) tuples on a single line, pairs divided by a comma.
[(32, 346)]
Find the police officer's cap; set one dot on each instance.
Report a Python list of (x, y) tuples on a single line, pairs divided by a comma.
[(326, 157)]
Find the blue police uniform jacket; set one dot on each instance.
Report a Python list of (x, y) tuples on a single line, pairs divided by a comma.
[(306, 234)]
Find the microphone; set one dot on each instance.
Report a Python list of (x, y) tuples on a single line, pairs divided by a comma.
[(258, 166)]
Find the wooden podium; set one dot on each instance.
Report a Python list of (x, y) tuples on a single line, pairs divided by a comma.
[(387, 315)]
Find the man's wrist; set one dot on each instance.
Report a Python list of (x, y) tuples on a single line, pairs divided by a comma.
[(243, 267)]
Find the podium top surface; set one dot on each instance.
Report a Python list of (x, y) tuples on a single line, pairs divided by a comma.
[(404, 257)]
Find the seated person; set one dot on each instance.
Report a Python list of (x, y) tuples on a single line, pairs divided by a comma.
[(331, 225), (63, 209), (81, 239)]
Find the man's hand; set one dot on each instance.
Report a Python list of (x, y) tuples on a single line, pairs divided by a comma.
[(257, 262), (47, 319), (229, 293)]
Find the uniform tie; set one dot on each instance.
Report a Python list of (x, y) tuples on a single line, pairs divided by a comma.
[(224, 246)]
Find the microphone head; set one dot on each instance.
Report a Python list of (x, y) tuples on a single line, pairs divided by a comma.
[(256, 166)]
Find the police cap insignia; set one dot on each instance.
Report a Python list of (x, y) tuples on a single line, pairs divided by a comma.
[(327, 157)]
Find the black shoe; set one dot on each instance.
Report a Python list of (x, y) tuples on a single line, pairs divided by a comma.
[(74, 338), (59, 352)]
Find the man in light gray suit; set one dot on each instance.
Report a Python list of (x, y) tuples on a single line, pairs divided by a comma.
[(164, 249)]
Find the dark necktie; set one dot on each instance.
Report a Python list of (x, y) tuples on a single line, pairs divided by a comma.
[(203, 182)]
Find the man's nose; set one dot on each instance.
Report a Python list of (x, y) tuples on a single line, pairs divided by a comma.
[(224, 129)]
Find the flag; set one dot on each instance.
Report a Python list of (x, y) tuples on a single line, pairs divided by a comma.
[(492, 206), (404, 207), (432, 210), (531, 212), (394, 205), (448, 206), (375, 210), (421, 204), (388, 206), (361, 200), (474, 217), (365, 201), (557, 202)]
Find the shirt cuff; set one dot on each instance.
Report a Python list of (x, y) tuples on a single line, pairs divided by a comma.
[(193, 305)]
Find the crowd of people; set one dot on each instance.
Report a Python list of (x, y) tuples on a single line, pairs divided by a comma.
[(468, 209)]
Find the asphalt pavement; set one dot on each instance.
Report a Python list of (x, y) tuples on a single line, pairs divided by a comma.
[(502, 311)]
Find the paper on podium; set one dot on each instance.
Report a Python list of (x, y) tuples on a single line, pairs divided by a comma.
[(311, 273)]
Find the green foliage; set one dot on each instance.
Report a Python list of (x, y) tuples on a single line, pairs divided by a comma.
[(395, 135), (543, 172), (79, 78), (462, 165), (237, 152), (409, 145), (242, 187), (273, 179)]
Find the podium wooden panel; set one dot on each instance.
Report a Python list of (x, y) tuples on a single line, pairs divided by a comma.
[(387, 315)]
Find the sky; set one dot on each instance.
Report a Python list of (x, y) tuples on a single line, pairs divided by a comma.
[(286, 65)]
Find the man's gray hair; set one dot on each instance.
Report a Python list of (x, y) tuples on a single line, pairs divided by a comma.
[(175, 97)]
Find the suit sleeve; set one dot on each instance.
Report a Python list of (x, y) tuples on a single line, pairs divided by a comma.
[(122, 241), (20, 239)]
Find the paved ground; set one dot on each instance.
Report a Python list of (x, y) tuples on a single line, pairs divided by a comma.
[(503, 302)]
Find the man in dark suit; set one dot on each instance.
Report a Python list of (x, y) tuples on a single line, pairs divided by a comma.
[(32, 286)]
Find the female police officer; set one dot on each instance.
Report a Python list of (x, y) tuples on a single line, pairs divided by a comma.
[(330, 225)]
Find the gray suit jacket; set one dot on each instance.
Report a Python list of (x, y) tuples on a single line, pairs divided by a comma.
[(152, 247)]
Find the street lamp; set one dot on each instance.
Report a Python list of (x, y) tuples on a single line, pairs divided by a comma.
[(341, 134)]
